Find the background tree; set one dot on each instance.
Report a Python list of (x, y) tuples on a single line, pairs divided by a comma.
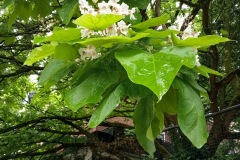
[(45, 126)]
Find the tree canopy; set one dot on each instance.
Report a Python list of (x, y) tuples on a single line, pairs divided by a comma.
[(68, 66)]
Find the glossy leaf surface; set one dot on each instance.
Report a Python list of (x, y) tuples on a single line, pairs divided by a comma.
[(155, 71)]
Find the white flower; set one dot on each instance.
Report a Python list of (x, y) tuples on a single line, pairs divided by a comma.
[(131, 13), (123, 27), (88, 53), (124, 9), (197, 63), (104, 8), (111, 31)]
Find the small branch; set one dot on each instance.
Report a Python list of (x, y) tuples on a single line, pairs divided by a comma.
[(21, 70), (190, 4), (226, 80), (232, 135), (30, 153), (189, 18)]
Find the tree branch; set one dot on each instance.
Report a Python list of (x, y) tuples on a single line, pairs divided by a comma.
[(190, 4), (189, 18), (232, 135), (226, 80)]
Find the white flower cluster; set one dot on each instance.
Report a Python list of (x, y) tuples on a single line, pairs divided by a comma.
[(111, 7), (88, 53), (119, 28)]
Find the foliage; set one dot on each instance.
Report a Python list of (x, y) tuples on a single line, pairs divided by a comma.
[(93, 62)]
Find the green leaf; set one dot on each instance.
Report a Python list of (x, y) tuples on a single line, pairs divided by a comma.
[(196, 86), (124, 89), (205, 71), (41, 8), (39, 53), (67, 10), (152, 22), (199, 42), (190, 111), (90, 90), (54, 71), (187, 54), (155, 71), (24, 9), (61, 35), (142, 118), (12, 18), (97, 22), (65, 52), (156, 127), (168, 103), (103, 41), (160, 34)]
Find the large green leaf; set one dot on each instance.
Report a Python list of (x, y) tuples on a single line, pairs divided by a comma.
[(126, 88), (40, 53), (90, 90), (97, 22), (155, 71), (190, 111), (168, 103), (152, 22), (187, 54), (203, 41), (67, 10), (105, 41), (54, 71), (61, 35), (143, 117), (65, 52)]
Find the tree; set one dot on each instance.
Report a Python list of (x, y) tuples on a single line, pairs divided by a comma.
[(118, 52)]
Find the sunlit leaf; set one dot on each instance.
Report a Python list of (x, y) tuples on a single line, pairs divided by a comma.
[(152, 22), (102, 41), (155, 71), (40, 53), (61, 35), (97, 22), (65, 52), (203, 41)]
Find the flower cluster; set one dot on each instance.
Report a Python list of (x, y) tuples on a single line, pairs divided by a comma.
[(88, 53), (119, 28), (111, 7)]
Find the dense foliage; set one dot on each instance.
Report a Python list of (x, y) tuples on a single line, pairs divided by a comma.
[(92, 58)]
